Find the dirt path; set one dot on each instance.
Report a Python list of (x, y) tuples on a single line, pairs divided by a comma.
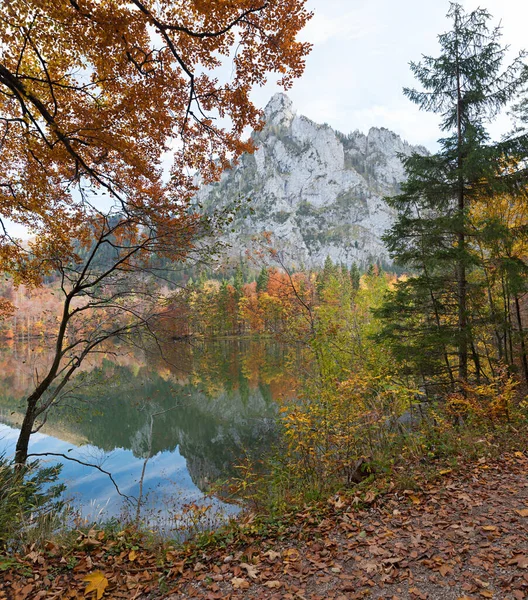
[(461, 538), (464, 537)]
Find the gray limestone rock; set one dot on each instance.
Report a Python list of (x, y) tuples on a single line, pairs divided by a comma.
[(319, 192)]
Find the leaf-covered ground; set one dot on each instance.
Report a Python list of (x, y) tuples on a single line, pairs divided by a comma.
[(464, 536)]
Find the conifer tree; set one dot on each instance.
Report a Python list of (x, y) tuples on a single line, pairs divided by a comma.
[(323, 278), (262, 280), (465, 84), (355, 276)]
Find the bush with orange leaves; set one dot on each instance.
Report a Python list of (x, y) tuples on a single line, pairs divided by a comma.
[(487, 403)]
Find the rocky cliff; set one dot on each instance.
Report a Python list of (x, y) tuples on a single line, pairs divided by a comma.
[(318, 191)]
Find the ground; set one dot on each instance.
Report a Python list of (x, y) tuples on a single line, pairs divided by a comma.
[(463, 536)]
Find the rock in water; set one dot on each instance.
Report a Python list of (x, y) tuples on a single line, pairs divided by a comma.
[(318, 191)]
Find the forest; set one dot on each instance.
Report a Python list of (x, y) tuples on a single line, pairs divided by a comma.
[(401, 397)]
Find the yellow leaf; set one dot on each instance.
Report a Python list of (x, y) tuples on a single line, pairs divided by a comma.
[(132, 555), (415, 499), (523, 512), (446, 471), (97, 583), (489, 528), (291, 555)]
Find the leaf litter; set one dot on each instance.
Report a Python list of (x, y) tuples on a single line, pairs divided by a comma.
[(461, 537)]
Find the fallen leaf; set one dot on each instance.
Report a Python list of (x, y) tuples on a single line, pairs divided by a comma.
[(291, 555), (370, 496), (369, 567), (178, 567), (489, 528), (89, 539), (337, 502), (239, 583), (132, 555), (97, 583), (272, 555), (273, 585), (250, 569), (523, 512), (520, 560)]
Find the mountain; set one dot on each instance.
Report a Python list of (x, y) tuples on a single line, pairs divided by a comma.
[(318, 191)]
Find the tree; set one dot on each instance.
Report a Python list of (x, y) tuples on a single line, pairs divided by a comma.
[(432, 234), (355, 276), (94, 93), (94, 96), (262, 280), (328, 270)]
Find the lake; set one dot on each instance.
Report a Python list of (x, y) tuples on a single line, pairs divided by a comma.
[(166, 428)]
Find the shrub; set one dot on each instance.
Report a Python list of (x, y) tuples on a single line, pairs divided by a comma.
[(31, 504)]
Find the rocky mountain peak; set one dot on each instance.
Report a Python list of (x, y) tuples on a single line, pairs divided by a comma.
[(318, 191), (279, 111)]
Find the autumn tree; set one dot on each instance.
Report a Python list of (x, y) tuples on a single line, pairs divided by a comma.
[(95, 98)]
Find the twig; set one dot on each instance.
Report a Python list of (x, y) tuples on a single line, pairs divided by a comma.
[(131, 499)]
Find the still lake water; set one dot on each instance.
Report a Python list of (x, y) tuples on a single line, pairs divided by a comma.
[(177, 424)]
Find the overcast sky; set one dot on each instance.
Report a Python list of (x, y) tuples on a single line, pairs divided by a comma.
[(359, 62)]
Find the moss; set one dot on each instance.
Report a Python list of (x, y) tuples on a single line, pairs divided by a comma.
[(351, 198), (281, 216)]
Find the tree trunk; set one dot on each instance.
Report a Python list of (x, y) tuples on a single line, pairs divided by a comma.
[(524, 361), (21, 451), (476, 361), (461, 246)]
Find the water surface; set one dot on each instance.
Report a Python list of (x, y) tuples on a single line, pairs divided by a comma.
[(166, 428)]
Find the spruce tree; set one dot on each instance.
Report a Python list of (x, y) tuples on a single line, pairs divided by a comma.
[(355, 276), (262, 280), (323, 278), (465, 84)]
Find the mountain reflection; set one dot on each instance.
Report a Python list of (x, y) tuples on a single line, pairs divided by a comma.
[(213, 401)]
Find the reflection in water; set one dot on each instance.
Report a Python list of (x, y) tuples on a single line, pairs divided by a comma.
[(166, 429)]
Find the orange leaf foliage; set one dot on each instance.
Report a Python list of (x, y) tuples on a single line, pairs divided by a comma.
[(94, 93)]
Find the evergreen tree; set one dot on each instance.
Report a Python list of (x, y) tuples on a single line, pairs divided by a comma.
[(432, 232), (238, 280), (355, 276), (262, 280), (328, 270)]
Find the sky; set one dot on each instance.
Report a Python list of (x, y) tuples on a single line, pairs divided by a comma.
[(360, 61)]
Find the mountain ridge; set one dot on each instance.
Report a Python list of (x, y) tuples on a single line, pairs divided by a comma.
[(319, 191)]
